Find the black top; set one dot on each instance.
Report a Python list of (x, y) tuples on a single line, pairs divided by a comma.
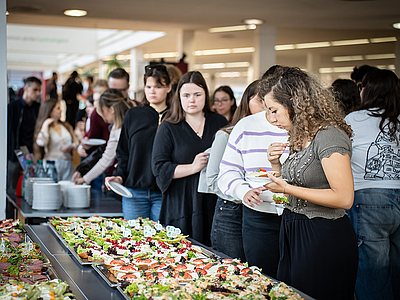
[(135, 146), (20, 126), (182, 206)]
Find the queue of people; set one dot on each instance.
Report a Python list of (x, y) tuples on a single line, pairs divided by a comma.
[(335, 153)]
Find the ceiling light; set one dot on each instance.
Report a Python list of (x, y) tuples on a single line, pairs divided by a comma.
[(213, 66), (231, 28), (335, 70), (228, 74), (380, 56), (350, 42), (243, 64), (160, 55), (313, 45), (396, 25), (243, 50), (7, 13), (383, 40), (253, 21), (284, 47), (212, 52), (347, 58), (75, 12)]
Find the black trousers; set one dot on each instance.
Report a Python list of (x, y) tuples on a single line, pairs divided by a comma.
[(260, 234), (318, 256)]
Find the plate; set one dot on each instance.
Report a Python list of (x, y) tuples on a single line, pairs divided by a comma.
[(119, 189), (263, 180), (93, 142)]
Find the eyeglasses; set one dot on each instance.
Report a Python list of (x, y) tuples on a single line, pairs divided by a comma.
[(360, 87), (221, 101), (161, 68)]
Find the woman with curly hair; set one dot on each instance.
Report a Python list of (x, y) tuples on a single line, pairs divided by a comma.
[(317, 242), (375, 163)]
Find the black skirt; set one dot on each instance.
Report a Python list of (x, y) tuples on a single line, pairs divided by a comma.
[(318, 256)]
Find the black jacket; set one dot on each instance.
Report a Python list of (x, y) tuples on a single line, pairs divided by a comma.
[(20, 126)]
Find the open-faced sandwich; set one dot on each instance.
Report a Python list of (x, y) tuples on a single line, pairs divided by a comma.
[(280, 199), (261, 173)]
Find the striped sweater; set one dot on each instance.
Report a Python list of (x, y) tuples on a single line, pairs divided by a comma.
[(246, 152)]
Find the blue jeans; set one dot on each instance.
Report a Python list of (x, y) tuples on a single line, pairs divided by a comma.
[(376, 219), (144, 203), (226, 231)]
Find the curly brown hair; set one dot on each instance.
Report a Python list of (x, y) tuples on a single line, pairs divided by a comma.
[(310, 105)]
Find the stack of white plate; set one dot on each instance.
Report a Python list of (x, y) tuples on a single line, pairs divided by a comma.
[(46, 196), (63, 186), (29, 187), (77, 196)]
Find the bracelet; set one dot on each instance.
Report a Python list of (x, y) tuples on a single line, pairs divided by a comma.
[(284, 188)]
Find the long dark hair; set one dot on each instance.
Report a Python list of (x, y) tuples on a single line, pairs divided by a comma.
[(160, 74), (243, 109), (176, 113), (346, 92), (45, 110), (381, 97), (228, 90)]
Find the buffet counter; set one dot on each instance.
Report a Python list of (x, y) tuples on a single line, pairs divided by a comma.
[(84, 280)]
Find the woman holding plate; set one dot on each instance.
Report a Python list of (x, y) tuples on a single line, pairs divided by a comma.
[(317, 242)]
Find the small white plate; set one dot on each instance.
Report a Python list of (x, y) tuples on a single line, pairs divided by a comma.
[(93, 142), (263, 180), (119, 189)]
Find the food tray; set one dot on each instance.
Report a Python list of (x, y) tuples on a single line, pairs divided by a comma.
[(105, 273), (123, 294), (82, 261)]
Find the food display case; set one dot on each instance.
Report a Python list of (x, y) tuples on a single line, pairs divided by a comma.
[(88, 280)]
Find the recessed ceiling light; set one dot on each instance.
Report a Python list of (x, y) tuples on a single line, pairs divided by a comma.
[(232, 28), (396, 25), (75, 12), (253, 21)]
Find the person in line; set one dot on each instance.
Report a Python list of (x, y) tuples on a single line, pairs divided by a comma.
[(21, 120), (174, 74), (224, 102), (178, 156), (112, 107), (226, 231), (359, 72), (72, 87), (347, 93), (375, 213), (317, 243), (246, 153), (52, 87), (54, 139), (136, 144)]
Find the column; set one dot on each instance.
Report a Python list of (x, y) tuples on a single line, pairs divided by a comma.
[(136, 74), (313, 62), (3, 111), (185, 44), (264, 55), (397, 53)]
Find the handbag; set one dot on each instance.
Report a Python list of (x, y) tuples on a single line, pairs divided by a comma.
[(89, 162)]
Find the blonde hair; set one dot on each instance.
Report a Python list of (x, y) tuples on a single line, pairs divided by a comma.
[(114, 98), (310, 105)]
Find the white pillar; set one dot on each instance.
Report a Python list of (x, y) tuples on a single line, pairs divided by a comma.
[(397, 59), (3, 111), (136, 75), (264, 54), (313, 62), (185, 44)]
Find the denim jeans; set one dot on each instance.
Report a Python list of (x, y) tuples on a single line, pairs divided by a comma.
[(261, 240), (226, 231), (376, 219), (144, 203)]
